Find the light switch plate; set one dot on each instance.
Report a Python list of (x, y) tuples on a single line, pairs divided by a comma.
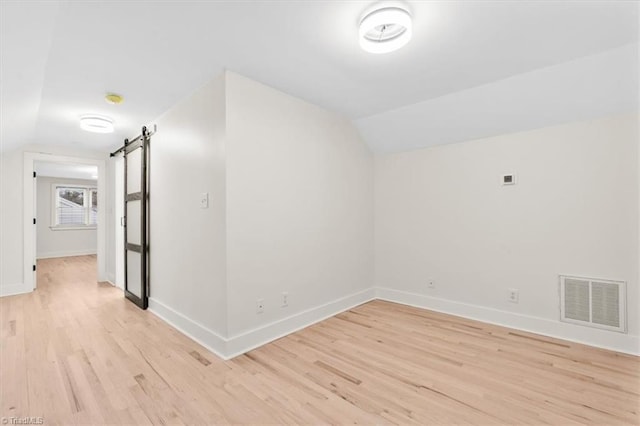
[(204, 200)]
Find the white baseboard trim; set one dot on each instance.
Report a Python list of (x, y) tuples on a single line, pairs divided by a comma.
[(67, 253), (111, 279), (227, 348), (13, 289), (252, 339), (190, 328), (614, 341)]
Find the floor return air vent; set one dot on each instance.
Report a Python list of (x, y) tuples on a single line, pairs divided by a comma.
[(593, 302)]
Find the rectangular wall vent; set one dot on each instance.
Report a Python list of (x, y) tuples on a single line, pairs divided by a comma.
[(593, 302)]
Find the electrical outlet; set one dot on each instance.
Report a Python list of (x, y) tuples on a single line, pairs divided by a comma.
[(514, 295), (259, 306), (431, 284), (285, 299)]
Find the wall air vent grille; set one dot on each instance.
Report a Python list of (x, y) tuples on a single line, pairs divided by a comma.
[(593, 302)]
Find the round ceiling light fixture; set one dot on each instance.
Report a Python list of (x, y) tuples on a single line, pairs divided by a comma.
[(96, 124), (385, 30), (113, 98)]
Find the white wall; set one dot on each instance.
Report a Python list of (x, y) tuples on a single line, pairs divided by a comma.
[(11, 210), (60, 243), (442, 214), (291, 209), (187, 244), (115, 207), (11, 244), (299, 206)]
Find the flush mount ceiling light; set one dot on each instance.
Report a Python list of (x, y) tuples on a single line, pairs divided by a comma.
[(96, 124), (385, 30)]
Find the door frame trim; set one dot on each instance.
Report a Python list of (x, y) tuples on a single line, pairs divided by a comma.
[(29, 212)]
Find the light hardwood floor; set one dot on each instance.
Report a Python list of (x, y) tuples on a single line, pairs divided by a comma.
[(76, 352)]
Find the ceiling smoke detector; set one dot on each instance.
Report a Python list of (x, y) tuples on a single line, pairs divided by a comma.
[(96, 124), (113, 98), (385, 30)]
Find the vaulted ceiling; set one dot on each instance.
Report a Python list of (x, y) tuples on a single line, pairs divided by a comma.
[(484, 67)]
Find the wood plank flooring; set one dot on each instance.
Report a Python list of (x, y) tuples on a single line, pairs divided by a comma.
[(75, 352)]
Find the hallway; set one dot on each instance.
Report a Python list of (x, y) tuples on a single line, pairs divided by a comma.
[(76, 352)]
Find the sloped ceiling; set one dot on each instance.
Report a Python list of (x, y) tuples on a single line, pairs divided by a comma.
[(459, 78), (582, 89)]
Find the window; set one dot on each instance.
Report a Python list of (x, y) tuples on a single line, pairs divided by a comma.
[(74, 206)]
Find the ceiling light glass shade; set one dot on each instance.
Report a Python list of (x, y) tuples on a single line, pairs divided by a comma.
[(385, 30), (96, 124)]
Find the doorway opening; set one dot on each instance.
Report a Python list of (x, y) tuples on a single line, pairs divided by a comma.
[(65, 212)]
